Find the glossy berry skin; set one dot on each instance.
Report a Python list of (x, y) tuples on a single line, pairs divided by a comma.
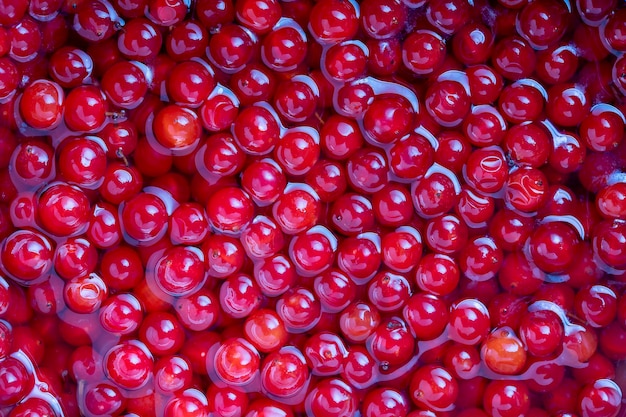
[(485, 84), (230, 210), (345, 62), (469, 322), (82, 162), (285, 47), (513, 58), (528, 144), (299, 309), (567, 104), (16, 381), (265, 330), (436, 194), (140, 40), (503, 352), (188, 224), (180, 271), (296, 100), (224, 255), (187, 40), (472, 44), (256, 130), (89, 102), (188, 402), (331, 396), (172, 373), (63, 210), (543, 24), (162, 333), (236, 361), (121, 314), (433, 388), (85, 294), (388, 291), (551, 246), (354, 208), (227, 401), (231, 47), (74, 258), (327, 179), (340, 137), (481, 258), (221, 156), (121, 268), (264, 180), (327, 287), (27, 255), (352, 214), (312, 252), (239, 296), (298, 151), (359, 257), (177, 128), (297, 209), (506, 398), (437, 273), (423, 51), (401, 249), (600, 398), (385, 402), (610, 201), (333, 21), (447, 99), (284, 373), (541, 332), (426, 314), (48, 98), (597, 303), (486, 170), (129, 365), (391, 343), (124, 83), (9, 79), (144, 217)]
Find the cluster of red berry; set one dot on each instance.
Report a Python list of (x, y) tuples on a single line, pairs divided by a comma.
[(320, 208)]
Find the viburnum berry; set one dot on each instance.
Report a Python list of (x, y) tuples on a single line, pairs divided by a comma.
[(433, 388), (349, 208), (47, 99)]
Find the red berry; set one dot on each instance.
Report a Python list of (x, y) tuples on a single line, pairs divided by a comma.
[(433, 388), (42, 104), (27, 255), (236, 362), (129, 365), (331, 396)]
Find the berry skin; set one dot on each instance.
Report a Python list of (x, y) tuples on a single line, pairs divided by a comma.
[(47, 98), (236, 361), (433, 388), (284, 373), (503, 352), (333, 21), (16, 381), (63, 210), (177, 128), (506, 398), (27, 255), (331, 396), (354, 208), (144, 217), (128, 365), (230, 210)]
